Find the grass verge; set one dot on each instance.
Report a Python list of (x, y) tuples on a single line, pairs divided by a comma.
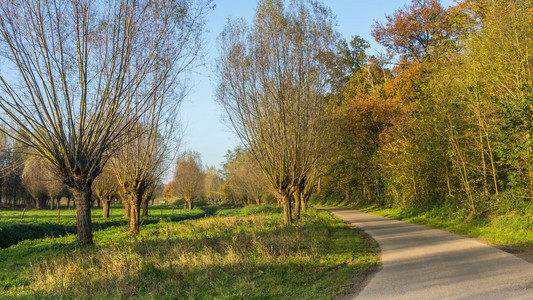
[(510, 230), (236, 254)]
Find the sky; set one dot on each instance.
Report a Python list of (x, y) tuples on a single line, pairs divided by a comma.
[(205, 131)]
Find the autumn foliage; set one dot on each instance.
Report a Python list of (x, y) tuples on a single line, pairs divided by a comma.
[(443, 117)]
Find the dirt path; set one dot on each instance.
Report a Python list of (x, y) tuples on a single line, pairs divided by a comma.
[(425, 263)]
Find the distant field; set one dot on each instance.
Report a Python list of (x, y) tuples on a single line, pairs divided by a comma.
[(206, 253), (45, 223)]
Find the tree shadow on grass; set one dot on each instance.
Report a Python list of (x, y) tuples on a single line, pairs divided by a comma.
[(13, 232)]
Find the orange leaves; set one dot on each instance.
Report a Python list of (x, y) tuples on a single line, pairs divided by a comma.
[(416, 30)]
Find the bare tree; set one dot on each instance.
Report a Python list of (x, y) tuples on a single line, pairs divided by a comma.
[(212, 184), (272, 85), (54, 188), (40, 182), (152, 183), (106, 187), (139, 165), (189, 178), (78, 73), (244, 178), (33, 179), (11, 167)]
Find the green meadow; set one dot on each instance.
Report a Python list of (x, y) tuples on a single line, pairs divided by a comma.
[(206, 253)]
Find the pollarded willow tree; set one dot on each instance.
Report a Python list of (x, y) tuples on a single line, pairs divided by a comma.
[(106, 187), (188, 178), (213, 184), (272, 84), (244, 179), (74, 71), (140, 163)]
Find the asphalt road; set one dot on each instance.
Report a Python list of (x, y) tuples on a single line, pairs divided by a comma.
[(419, 262)]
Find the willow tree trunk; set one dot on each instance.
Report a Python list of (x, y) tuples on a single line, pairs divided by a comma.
[(297, 200), (82, 200), (304, 197), (135, 213), (105, 204), (257, 200), (287, 215), (189, 203), (127, 207), (145, 207)]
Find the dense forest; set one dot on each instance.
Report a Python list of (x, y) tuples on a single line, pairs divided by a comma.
[(444, 117)]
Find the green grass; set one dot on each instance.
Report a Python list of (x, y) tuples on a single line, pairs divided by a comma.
[(514, 229), (44, 223), (229, 254)]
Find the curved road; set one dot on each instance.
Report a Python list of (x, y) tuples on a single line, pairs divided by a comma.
[(419, 262)]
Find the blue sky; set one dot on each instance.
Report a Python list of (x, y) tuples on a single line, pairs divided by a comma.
[(202, 117)]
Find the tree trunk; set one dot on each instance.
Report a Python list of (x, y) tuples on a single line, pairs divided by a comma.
[(51, 203), (145, 207), (287, 215), (189, 203), (136, 198), (448, 184), (304, 199), (82, 199), (14, 198), (494, 177), (257, 200), (127, 207), (105, 211), (68, 202), (135, 214), (346, 196), (297, 200)]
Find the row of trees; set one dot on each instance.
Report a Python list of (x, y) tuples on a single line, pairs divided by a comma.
[(240, 182), (445, 118), (88, 84), (28, 181)]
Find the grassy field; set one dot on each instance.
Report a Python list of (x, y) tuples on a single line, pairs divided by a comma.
[(206, 253), (45, 223)]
